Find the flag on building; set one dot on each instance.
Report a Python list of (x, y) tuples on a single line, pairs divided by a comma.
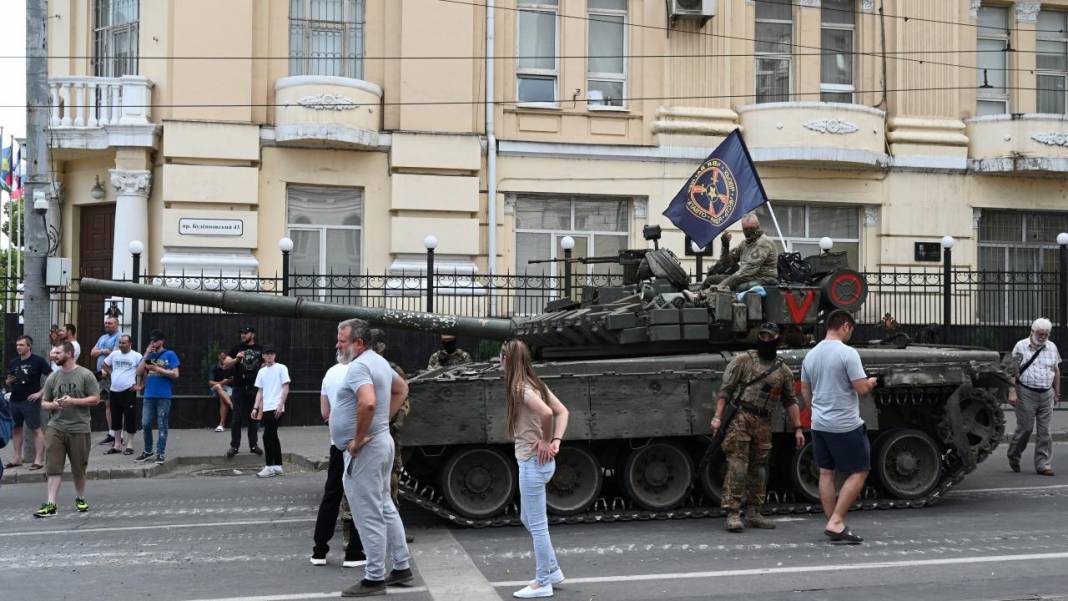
[(722, 190), (5, 168), (18, 189)]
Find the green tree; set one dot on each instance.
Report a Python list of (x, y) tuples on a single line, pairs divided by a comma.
[(14, 212)]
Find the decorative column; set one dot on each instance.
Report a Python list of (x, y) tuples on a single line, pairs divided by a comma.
[(131, 217)]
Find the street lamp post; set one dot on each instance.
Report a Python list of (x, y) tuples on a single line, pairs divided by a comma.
[(136, 247), (567, 243), (430, 243), (285, 244), (1062, 289), (947, 285)]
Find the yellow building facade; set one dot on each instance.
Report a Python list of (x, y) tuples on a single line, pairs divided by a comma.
[(210, 130)]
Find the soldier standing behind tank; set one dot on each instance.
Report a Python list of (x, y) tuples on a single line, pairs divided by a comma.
[(754, 262), (448, 355), (378, 344), (761, 379)]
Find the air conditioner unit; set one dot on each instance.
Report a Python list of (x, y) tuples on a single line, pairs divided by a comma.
[(691, 8)]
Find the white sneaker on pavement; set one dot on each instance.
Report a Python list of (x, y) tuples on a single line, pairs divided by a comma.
[(267, 472), (555, 579), (534, 593), (278, 470)]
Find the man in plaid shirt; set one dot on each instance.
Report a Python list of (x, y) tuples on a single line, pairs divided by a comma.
[(1037, 387)]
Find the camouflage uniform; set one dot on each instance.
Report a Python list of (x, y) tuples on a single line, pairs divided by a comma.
[(445, 359), (747, 444), (753, 262), (395, 424)]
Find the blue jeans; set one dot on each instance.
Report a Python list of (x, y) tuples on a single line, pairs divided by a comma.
[(532, 481), (156, 411)]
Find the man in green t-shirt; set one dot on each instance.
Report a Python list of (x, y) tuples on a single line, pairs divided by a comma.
[(69, 392)]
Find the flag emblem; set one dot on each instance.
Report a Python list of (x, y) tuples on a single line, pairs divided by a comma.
[(713, 192)]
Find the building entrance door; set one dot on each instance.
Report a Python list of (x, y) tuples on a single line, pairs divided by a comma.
[(94, 260)]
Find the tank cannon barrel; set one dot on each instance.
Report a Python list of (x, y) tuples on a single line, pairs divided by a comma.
[(297, 307)]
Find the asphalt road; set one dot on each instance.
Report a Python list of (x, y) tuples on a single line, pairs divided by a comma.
[(1000, 536)]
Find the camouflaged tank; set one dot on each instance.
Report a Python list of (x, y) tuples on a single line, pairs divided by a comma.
[(639, 366)]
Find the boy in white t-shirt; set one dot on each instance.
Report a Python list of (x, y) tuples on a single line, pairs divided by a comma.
[(272, 388)]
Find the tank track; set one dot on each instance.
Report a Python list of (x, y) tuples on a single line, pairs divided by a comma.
[(428, 498)]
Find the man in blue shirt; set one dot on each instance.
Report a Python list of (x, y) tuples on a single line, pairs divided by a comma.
[(104, 345), (159, 369)]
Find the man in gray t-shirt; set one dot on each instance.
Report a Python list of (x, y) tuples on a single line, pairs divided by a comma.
[(832, 378), (359, 426)]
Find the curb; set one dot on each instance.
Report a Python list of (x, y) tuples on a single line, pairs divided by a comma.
[(171, 465)]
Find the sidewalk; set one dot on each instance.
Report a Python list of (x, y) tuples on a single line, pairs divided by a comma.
[(303, 447)]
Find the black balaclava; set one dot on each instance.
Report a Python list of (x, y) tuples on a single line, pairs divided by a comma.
[(766, 349), (752, 234), (449, 346)]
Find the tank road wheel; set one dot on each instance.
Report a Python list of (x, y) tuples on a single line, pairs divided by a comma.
[(907, 463), (984, 422), (576, 483), (804, 474), (478, 482), (658, 476), (711, 476)]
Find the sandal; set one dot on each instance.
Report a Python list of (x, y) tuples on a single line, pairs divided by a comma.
[(12, 464), (36, 466), (128, 451), (112, 451), (845, 537)]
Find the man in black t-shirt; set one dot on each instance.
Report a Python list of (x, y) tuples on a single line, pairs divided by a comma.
[(23, 380), (245, 359)]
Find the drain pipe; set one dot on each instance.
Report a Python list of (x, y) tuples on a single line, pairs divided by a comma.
[(491, 149)]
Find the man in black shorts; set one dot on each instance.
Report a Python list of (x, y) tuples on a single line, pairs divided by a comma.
[(832, 377), (24, 382)]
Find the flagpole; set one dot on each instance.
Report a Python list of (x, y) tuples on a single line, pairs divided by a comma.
[(771, 211)]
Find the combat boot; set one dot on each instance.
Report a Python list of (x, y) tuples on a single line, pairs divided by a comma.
[(734, 521), (752, 515)]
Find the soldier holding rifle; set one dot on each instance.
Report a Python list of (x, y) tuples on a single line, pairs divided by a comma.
[(753, 381)]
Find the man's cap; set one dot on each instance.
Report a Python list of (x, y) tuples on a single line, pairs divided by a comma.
[(247, 328), (268, 348), (447, 337), (155, 335), (770, 328)]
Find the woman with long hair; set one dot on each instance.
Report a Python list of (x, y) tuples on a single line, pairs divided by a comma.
[(536, 421)]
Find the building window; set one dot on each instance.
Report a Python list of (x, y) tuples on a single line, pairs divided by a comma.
[(325, 224), (606, 71), (1052, 61), (115, 38), (774, 46), (1014, 248), (992, 60), (326, 38), (537, 69), (599, 226), (837, 31), (804, 225)]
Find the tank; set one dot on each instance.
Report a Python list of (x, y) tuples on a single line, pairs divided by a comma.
[(639, 366)]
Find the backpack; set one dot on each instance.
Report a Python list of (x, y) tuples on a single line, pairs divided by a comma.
[(793, 269), (7, 424)]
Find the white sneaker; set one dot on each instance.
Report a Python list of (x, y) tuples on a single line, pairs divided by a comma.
[(267, 472), (556, 578), (278, 470), (218, 428), (318, 561), (531, 593), (355, 563)]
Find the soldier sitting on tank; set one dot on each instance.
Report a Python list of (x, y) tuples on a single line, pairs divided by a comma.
[(760, 379), (448, 355), (753, 263)]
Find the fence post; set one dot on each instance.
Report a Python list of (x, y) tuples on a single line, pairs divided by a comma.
[(136, 247), (567, 243), (430, 243), (1062, 287), (947, 286), (285, 244)]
